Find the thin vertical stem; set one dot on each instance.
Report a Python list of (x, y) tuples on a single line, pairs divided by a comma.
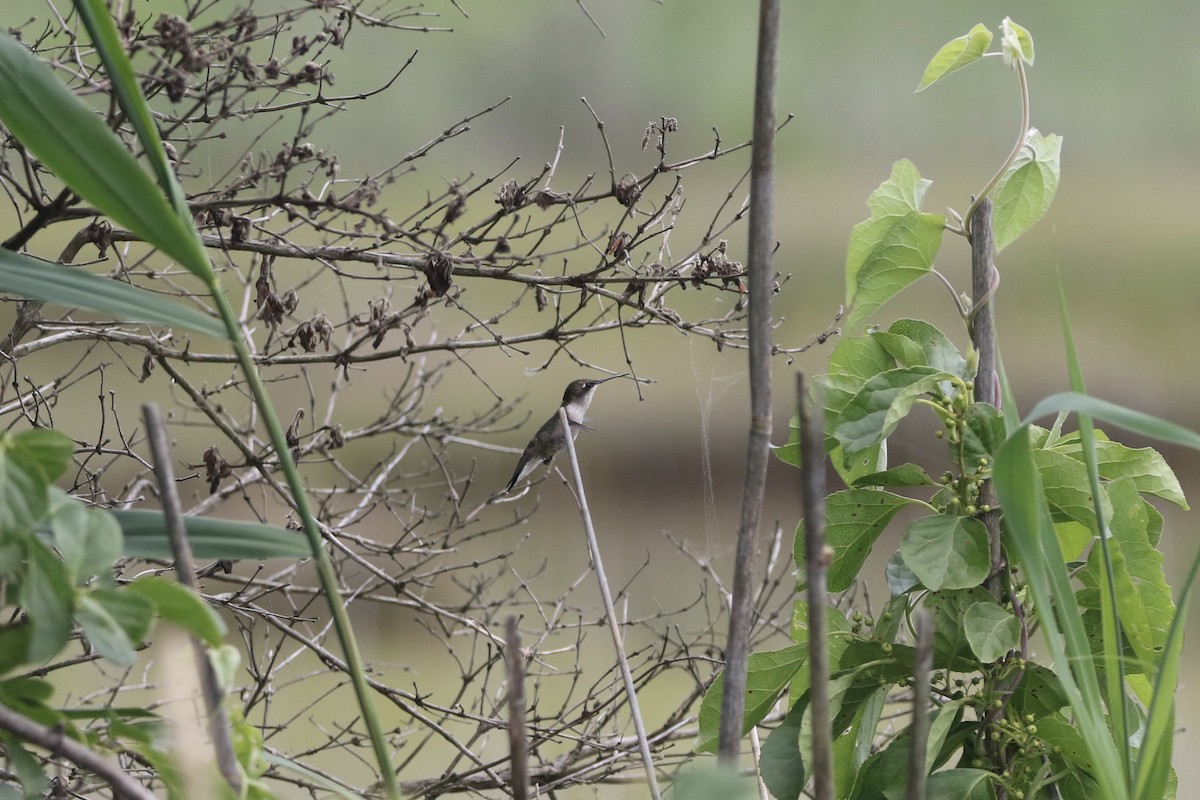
[(610, 611), (517, 746), (987, 384), (761, 245), (185, 573), (918, 741), (812, 493)]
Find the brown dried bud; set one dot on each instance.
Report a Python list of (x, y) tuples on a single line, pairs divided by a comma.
[(337, 437), (240, 229), (628, 190), (293, 432), (618, 245), (216, 468), (456, 206), (511, 196), (439, 272)]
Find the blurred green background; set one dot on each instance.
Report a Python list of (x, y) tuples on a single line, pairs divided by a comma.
[(1120, 82)]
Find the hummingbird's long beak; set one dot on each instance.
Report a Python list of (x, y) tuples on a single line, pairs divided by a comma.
[(613, 377)]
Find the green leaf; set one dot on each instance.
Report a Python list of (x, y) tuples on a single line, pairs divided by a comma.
[(1068, 490), (146, 537), (42, 452), (114, 623), (28, 769), (782, 764), (88, 539), (852, 363), (71, 287), (47, 598), (767, 675), (925, 345), (903, 475), (178, 604), (1015, 43), (854, 518), (1145, 466), (900, 578), (884, 773), (893, 248), (24, 497), (14, 645), (956, 54), (837, 628), (941, 722), (70, 139), (982, 435), (875, 411), (947, 551), (960, 784), (992, 631), (947, 609), (1143, 597), (1026, 190)]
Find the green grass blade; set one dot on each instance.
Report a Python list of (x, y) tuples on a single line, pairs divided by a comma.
[(146, 537), (52, 283), (1135, 421), (99, 23), (1031, 533), (75, 144), (1112, 637)]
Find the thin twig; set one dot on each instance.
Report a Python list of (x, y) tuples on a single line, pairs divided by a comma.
[(761, 245), (185, 572), (609, 610), (812, 494)]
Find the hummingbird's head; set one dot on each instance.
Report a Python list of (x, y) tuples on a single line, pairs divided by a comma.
[(579, 392)]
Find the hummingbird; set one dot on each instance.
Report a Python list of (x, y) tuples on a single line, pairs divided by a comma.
[(549, 439)]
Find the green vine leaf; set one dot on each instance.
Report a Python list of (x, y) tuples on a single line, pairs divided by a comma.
[(947, 551), (767, 675), (893, 248), (1025, 192), (1145, 465), (1143, 597), (854, 518), (992, 631), (875, 411), (956, 54)]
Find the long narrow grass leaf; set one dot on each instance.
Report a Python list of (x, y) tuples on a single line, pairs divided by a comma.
[(99, 23), (1135, 421), (52, 283), (1111, 640), (75, 144), (145, 534), (1032, 535)]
